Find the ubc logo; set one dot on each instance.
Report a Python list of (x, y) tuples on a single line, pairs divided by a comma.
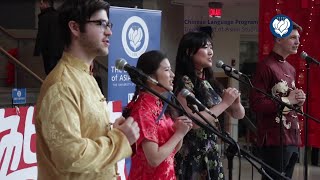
[(281, 26), (135, 36)]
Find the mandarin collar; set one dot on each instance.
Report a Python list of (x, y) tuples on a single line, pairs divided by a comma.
[(75, 62), (277, 57)]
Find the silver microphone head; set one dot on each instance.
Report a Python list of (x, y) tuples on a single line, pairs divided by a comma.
[(303, 55), (219, 64), (185, 92), (120, 63)]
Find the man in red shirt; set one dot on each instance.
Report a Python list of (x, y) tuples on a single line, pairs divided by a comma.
[(274, 75)]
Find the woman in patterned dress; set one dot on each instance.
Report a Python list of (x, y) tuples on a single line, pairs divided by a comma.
[(198, 157)]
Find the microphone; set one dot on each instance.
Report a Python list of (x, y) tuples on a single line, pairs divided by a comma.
[(192, 100), (227, 68), (122, 64), (305, 56)]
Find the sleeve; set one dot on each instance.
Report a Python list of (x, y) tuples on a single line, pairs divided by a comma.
[(262, 80), (70, 152), (147, 124)]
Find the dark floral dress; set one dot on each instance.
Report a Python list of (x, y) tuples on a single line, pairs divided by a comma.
[(198, 158)]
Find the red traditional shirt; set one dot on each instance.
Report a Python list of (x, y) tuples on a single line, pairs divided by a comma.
[(275, 76), (145, 112)]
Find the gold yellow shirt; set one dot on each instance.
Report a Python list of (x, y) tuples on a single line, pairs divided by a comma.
[(74, 138)]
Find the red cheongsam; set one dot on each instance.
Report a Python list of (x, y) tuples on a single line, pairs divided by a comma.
[(145, 112)]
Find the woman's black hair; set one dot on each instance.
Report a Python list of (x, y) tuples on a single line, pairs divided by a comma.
[(189, 45)]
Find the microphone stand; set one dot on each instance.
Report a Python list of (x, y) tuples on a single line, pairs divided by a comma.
[(230, 152), (244, 153), (306, 126), (234, 148), (281, 103)]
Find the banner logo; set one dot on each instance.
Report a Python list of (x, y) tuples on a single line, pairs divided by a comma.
[(281, 26), (135, 36)]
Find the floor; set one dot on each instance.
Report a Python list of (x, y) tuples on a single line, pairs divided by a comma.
[(247, 172)]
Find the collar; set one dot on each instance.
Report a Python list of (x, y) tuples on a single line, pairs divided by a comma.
[(277, 57), (75, 62)]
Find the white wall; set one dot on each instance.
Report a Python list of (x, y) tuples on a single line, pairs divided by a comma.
[(171, 26)]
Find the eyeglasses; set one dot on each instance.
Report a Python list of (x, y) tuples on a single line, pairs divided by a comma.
[(102, 23)]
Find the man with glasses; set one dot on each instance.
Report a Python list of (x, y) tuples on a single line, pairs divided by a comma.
[(74, 137)]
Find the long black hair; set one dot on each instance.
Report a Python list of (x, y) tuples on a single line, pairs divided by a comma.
[(189, 45)]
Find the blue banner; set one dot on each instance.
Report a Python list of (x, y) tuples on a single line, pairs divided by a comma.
[(134, 32)]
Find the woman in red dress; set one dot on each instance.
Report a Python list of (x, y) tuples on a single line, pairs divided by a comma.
[(160, 136)]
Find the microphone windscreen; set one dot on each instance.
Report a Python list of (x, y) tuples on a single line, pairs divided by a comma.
[(185, 92), (303, 55), (120, 63), (219, 64)]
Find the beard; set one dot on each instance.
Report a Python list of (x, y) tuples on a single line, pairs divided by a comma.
[(93, 46)]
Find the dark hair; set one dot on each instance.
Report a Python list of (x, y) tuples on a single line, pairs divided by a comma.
[(296, 26), (206, 29), (79, 11), (189, 45), (148, 63)]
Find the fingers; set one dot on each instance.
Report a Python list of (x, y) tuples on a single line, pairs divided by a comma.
[(300, 95), (118, 121), (183, 125), (129, 127), (230, 95), (232, 91)]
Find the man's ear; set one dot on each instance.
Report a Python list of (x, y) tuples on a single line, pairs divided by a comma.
[(74, 28)]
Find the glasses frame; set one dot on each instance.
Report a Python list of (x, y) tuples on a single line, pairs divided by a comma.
[(102, 23)]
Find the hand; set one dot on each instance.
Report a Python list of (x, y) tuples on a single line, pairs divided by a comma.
[(300, 97), (238, 99), (230, 95), (128, 127), (292, 97), (182, 125)]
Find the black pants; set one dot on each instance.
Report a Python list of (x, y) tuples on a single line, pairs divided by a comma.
[(271, 155)]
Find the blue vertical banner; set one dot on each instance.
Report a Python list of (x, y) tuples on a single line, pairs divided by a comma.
[(134, 32)]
